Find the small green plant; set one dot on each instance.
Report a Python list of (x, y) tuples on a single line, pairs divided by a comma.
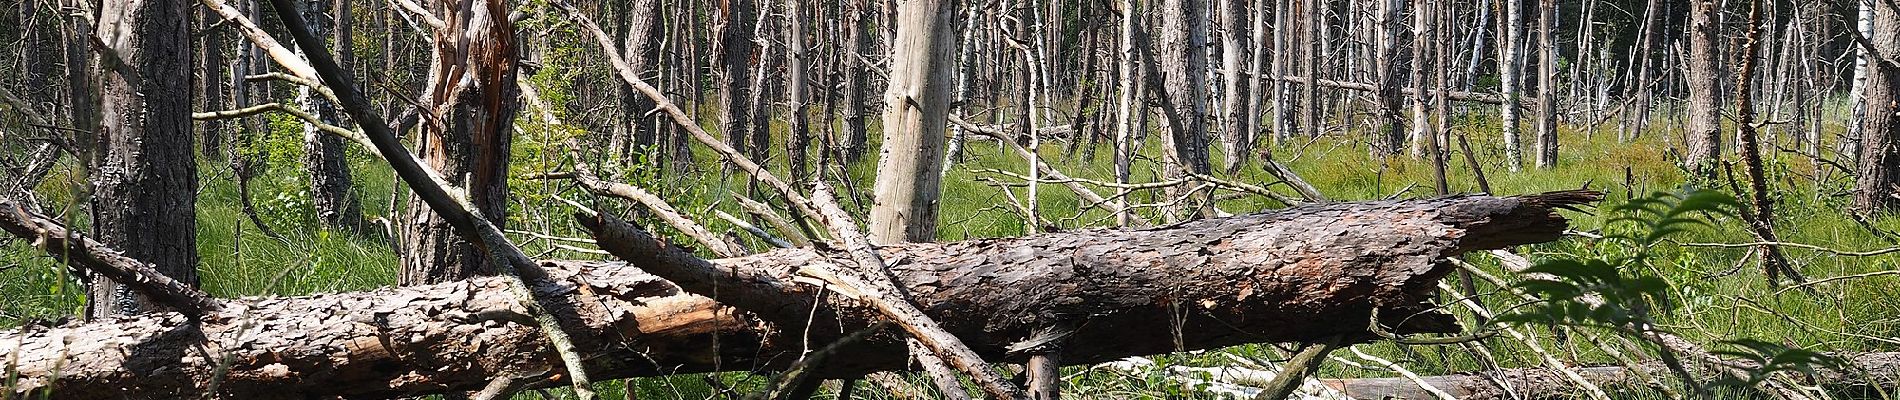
[(1612, 287)]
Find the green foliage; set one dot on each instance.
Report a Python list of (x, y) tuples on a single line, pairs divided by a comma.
[(1613, 289)]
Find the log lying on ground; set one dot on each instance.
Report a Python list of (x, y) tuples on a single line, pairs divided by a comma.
[(1290, 275), (1874, 370)]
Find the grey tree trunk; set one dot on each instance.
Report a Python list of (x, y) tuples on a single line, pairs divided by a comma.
[(1547, 85), (1237, 138), (1704, 139), (916, 109), (1184, 69), (330, 180), (1879, 176), (797, 91), (471, 97), (641, 48), (1511, 62), (1309, 90), (146, 201)]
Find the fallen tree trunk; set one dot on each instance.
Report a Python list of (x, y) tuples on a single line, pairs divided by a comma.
[(1291, 275)]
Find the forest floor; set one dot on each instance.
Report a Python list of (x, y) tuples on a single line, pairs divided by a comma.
[(1720, 294)]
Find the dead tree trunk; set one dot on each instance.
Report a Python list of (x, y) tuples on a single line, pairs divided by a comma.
[(916, 110), (330, 179), (147, 182), (1879, 174), (471, 96), (1291, 275), (1705, 107)]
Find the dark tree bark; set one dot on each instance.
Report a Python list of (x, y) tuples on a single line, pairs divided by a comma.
[(1292, 275), (856, 82), (640, 45), (213, 83), (797, 91), (324, 154), (471, 96), (735, 59), (147, 181), (1878, 180)]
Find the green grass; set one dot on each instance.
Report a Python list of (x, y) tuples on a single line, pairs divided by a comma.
[(1718, 301)]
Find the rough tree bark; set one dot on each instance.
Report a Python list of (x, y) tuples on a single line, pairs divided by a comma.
[(1291, 275), (1878, 180), (147, 183), (1237, 137), (1547, 85), (1705, 105), (735, 61), (1183, 65), (472, 99), (916, 110), (330, 180)]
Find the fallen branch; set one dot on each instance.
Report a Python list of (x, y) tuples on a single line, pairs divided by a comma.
[(91, 256)]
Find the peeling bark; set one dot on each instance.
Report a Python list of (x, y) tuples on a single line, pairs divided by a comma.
[(1292, 275)]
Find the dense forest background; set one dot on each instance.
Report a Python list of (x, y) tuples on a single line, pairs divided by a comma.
[(201, 138)]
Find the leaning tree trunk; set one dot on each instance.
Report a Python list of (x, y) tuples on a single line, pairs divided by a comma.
[(465, 136), (1879, 175), (1291, 275), (1705, 107), (147, 180), (916, 109)]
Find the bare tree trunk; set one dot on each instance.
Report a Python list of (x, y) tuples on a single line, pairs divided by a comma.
[(1421, 45), (1857, 92), (1876, 186), (640, 46), (1511, 62), (471, 98), (147, 183), (1547, 85), (796, 88), (1282, 55), (215, 41), (1237, 138), (1642, 84), (1705, 109), (1127, 126), (856, 87), (1309, 90), (916, 109), (735, 59), (1184, 68), (330, 180), (1386, 69)]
